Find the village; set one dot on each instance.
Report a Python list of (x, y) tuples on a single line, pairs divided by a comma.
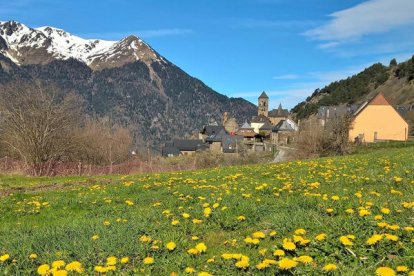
[(373, 121)]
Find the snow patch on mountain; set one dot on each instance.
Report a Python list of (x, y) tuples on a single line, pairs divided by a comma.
[(60, 44)]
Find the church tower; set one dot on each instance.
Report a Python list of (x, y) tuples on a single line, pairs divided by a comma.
[(263, 104)]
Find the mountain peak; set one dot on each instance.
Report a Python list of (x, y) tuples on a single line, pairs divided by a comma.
[(25, 45)]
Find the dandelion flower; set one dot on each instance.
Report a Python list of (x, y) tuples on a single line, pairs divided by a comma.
[(374, 239), (124, 260), (305, 259), (241, 218), (288, 245), (279, 252), (111, 261), (385, 271), (33, 256), (287, 263), (320, 237), (4, 258), (243, 263), (345, 241), (329, 267), (193, 251), (148, 260), (259, 235), (171, 246), (201, 247), (74, 266), (43, 269), (385, 211), (58, 264), (300, 231), (402, 268)]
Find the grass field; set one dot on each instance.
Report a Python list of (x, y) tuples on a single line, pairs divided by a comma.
[(348, 215)]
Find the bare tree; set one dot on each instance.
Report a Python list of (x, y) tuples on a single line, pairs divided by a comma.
[(314, 140), (37, 122), (101, 143)]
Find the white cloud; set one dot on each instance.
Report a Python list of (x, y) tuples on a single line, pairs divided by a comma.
[(286, 77), (328, 45), (370, 17)]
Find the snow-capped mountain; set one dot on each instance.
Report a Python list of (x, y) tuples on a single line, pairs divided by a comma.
[(138, 88), (25, 45)]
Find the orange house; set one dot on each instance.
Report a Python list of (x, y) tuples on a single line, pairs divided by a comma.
[(377, 120)]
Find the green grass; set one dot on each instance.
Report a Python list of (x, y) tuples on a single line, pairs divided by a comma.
[(58, 224)]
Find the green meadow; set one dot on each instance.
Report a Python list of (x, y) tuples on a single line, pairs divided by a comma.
[(350, 215)]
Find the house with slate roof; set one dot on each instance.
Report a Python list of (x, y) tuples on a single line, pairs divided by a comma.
[(183, 147), (223, 142), (283, 133)]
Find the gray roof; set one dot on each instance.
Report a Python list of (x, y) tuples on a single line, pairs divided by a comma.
[(189, 145), (326, 112), (246, 126), (267, 126), (283, 125), (279, 112), (216, 137), (168, 150), (229, 143), (259, 119), (212, 129), (263, 96)]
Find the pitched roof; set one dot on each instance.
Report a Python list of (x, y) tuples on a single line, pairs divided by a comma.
[(212, 129), (248, 133), (216, 137), (267, 126), (167, 151), (189, 145), (379, 99), (229, 143), (259, 119), (279, 113), (283, 125), (246, 126), (263, 96)]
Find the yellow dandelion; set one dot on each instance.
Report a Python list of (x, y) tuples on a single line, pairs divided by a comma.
[(171, 245), (345, 241), (201, 247), (287, 263), (374, 239), (148, 260), (330, 267), (43, 269), (189, 270), (385, 271), (288, 245), (124, 260)]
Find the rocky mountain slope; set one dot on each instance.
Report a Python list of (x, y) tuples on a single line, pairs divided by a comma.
[(126, 81)]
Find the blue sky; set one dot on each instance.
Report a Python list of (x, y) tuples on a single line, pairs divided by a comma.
[(240, 48)]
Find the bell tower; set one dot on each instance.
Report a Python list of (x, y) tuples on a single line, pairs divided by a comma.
[(263, 105)]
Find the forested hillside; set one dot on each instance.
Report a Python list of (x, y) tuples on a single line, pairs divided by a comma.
[(395, 81)]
